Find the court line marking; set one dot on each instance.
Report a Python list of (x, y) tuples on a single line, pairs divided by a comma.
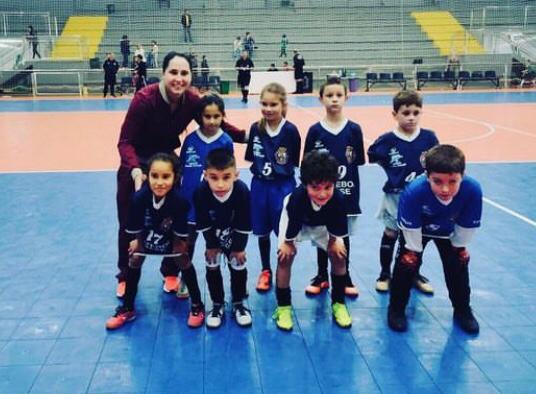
[(491, 128), (509, 211)]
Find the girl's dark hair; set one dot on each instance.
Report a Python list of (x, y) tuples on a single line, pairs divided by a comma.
[(207, 100), (333, 80), (279, 90), (166, 158), (319, 166), (220, 159), (407, 98), (170, 56), (444, 159)]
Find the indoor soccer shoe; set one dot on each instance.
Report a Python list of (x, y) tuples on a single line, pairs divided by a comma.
[(318, 283), (422, 284), (215, 316), (283, 317), (196, 316), (242, 315), (183, 291), (264, 283), (396, 319), (171, 284), (121, 316), (466, 320), (120, 290), (341, 315), (383, 283)]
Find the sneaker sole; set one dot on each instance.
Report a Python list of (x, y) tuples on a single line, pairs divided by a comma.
[(382, 289), (126, 321)]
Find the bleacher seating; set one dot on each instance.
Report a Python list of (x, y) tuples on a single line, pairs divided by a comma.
[(465, 77)]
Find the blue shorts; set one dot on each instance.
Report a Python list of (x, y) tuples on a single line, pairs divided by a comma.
[(267, 202)]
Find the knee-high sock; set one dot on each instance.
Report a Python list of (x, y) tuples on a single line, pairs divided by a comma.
[(215, 285), (189, 277)]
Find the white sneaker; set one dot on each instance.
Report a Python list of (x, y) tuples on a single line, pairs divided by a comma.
[(383, 283), (242, 315), (423, 285), (215, 316)]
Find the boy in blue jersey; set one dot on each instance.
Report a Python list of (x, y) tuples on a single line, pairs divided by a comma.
[(222, 208), (399, 153), (444, 206), (314, 211), (343, 139)]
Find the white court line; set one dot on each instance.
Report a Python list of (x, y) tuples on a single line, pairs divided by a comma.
[(510, 212), (491, 128), (56, 171)]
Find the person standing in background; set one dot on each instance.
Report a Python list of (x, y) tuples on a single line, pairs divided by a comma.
[(186, 22), (124, 44), (110, 67)]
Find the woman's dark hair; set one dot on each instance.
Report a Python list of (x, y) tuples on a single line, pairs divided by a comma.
[(166, 158), (207, 100), (333, 80), (444, 159), (170, 56), (319, 166)]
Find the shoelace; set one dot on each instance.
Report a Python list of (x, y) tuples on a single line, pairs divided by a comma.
[(318, 279), (241, 309), (216, 311)]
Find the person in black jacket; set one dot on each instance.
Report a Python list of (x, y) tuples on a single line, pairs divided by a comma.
[(125, 50), (140, 72), (244, 65), (110, 66), (299, 62)]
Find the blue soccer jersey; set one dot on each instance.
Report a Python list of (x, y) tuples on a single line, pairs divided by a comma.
[(193, 156), (400, 156), (300, 212), (157, 222), (224, 224), (274, 155), (346, 145), (420, 208)]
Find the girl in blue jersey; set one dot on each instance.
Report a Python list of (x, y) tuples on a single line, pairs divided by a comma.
[(194, 152), (157, 222), (343, 139), (274, 150)]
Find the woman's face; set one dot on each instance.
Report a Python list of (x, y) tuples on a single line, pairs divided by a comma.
[(177, 77)]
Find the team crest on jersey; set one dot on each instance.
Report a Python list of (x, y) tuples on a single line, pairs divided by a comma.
[(281, 156), (166, 224), (350, 154)]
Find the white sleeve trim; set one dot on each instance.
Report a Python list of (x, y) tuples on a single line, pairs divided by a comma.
[(133, 231), (242, 232), (180, 234), (461, 237), (413, 238), (202, 230)]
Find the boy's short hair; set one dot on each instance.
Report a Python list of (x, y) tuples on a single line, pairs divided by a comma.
[(319, 166), (407, 98), (332, 80), (220, 159), (444, 159)]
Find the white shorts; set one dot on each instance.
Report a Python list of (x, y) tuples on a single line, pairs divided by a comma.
[(388, 210)]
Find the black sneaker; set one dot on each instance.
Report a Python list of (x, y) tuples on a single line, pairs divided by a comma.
[(396, 319), (466, 320)]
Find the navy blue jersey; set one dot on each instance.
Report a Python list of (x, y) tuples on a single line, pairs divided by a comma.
[(401, 158), (225, 224), (157, 223), (300, 213), (420, 208), (274, 157), (193, 156), (347, 147)]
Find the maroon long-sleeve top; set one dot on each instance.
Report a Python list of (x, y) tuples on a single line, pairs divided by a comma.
[(150, 126)]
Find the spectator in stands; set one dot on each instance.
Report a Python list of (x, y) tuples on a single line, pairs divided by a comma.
[(141, 52), (154, 52), (299, 62), (237, 48), (205, 71), (283, 46), (249, 44), (272, 67), (33, 41), (286, 66), (453, 62), (244, 65), (186, 22), (140, 72), (195, 66), (528, 74), (124, 44), (110, 67), (157, 115)]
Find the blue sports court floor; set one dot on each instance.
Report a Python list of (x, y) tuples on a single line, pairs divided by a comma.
[(57, 260)]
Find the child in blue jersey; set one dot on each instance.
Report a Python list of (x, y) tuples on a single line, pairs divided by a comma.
[(343, 139), (444, 206), (399, 153), (194, 151), (274, 149), (157, 220), (314, 211), (222, 209)]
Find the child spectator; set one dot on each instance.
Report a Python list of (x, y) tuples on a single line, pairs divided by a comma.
[(223, 216), (444, 206), (237, 48), (274, 150), (343, 139), (283, 46), (399, 153), (314, 211), (157, 219)]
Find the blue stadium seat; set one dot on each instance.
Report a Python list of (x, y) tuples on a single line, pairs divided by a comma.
[(372, 78), (422, 78)]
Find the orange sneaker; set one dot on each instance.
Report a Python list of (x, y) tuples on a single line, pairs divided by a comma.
[(122, 316), (196, 316), (318, 283), (171, 284), (264, 283), (120, 290)]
